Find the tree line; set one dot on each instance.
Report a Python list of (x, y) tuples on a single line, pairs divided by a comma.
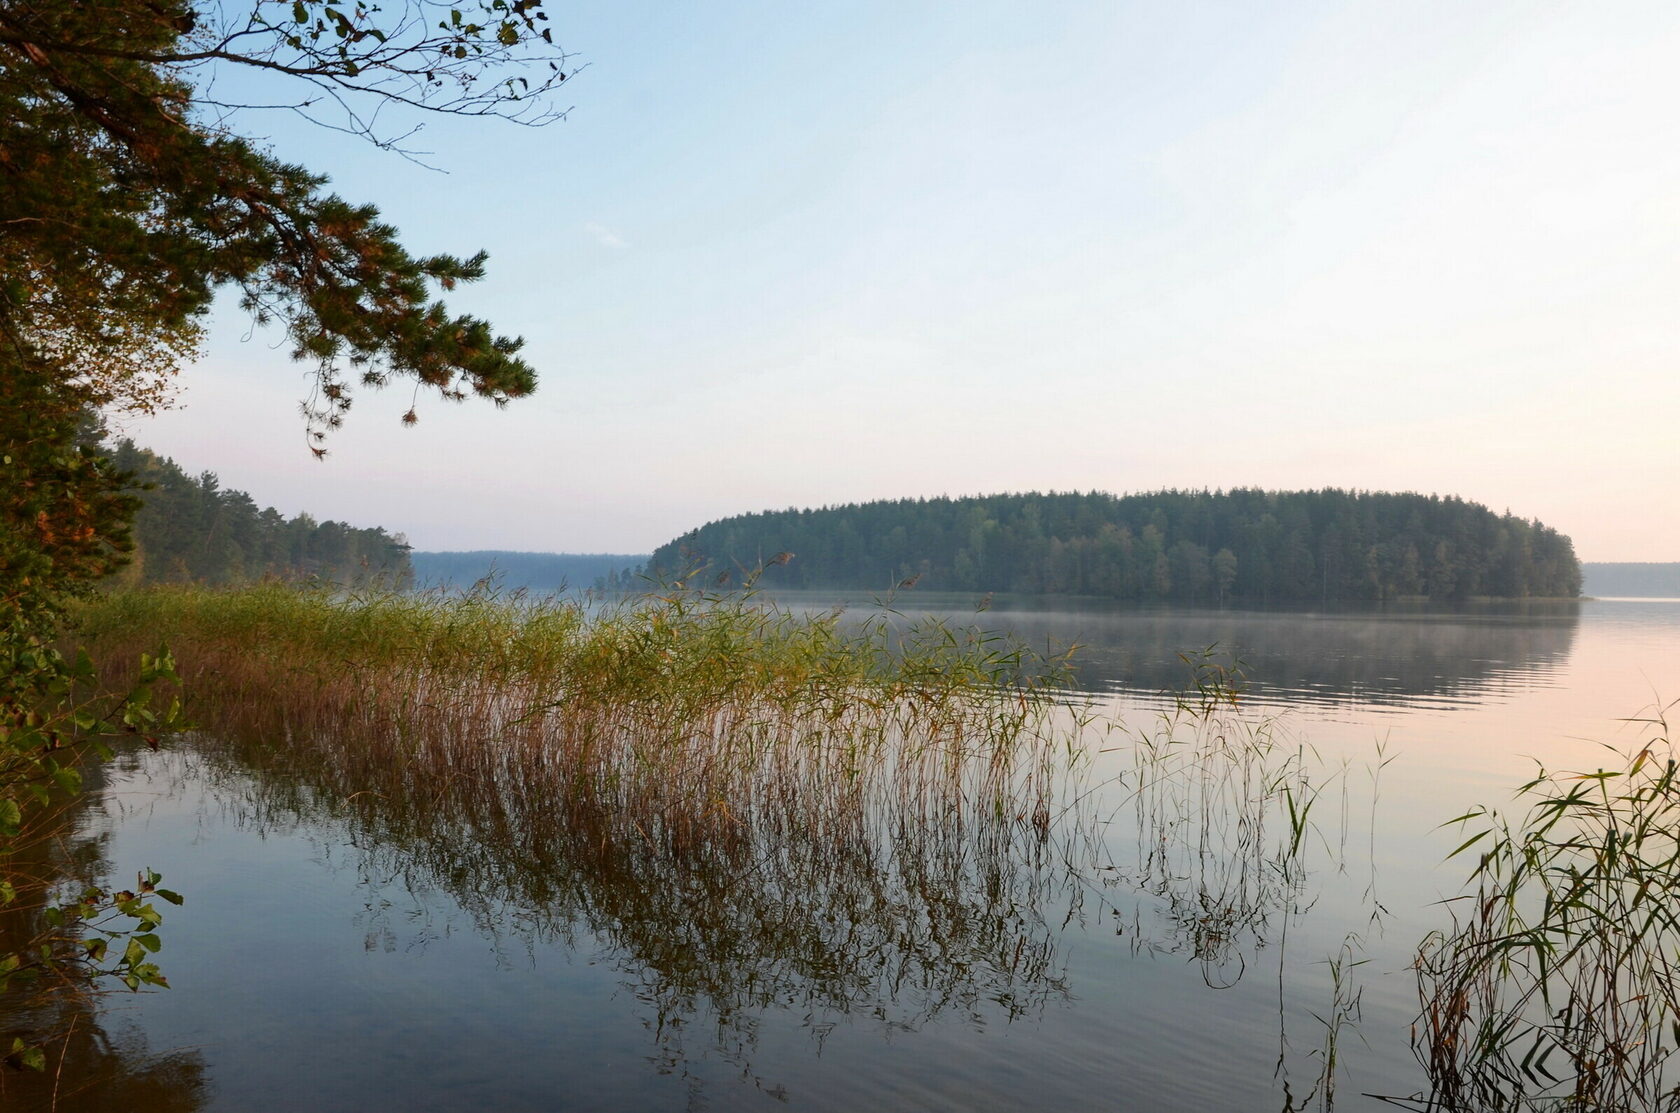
[(530, 571), (191, 529), (1197, 547), (1638, 579)]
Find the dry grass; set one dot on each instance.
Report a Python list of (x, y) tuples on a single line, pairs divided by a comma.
[(699, 719), (749, 806)]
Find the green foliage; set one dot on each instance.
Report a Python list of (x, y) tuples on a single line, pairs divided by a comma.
[(193, 530), (1180, 546), (52, 718), (1556, 988), (64, 511), (95, 926), (126, 203), (78, 937), (23, 1056), (63, 526), (120, 190), (48, 718)]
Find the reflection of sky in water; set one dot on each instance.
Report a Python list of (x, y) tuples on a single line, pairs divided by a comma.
[(349, 970)]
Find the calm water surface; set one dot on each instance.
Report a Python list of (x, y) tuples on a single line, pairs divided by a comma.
[(325, 962)]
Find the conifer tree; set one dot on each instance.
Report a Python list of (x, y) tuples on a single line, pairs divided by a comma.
[(128, 199)]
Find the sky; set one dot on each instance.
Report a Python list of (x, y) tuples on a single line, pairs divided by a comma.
[(799, 255)]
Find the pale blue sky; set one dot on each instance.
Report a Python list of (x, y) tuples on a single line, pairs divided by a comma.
[(794, 255)]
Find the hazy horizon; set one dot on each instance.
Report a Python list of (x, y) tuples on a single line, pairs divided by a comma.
[(785, 257)]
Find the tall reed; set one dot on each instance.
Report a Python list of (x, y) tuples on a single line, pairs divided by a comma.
[(1557, 985), (750, 807), (698, 718)]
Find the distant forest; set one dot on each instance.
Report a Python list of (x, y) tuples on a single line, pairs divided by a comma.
[(1635, 579), (1196, 547), (191, 529), (531, 571)]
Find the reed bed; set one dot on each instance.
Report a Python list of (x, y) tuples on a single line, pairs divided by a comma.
[(749, 808), (743, 809), (701, 717), (1557, 986)]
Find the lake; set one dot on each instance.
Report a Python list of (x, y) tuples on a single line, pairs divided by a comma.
[(1150, 953)]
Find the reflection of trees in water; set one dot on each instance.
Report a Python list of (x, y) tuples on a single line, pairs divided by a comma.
[(1389, 656), (92, 1063), (90, 1070), (901, 921)]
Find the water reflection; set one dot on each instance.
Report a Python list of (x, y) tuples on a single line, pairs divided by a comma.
[(94, 1062), (96, 1067), (1395, 657), (960, 923), (732, 944), (1222, 823), (899, 923), (780, 947)]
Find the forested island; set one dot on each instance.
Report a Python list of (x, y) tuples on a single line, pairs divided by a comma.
[(1198, 547), (191, 529)]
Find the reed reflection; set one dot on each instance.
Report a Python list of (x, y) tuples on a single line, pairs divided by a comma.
[(746, 810), (905, 924), (1207, 840), (758, 823)]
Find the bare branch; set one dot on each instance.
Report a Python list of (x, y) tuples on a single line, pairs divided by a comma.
[(484, 58)]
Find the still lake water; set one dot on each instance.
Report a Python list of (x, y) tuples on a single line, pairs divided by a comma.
[(321, 964)]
